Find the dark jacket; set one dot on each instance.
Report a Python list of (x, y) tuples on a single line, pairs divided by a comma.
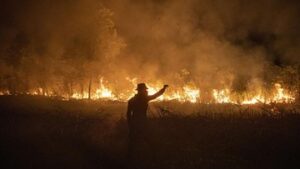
[(138, 105)]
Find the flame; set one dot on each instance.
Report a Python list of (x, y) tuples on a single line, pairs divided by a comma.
[(222, 96), (103, 92), (255, 100), (191, 94), (38, 91), (78, 95), (279, 96), (187, 93)]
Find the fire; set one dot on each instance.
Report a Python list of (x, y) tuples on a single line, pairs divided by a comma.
[(38, 91), (191, 95), (187, 93), (279, 96), (77, 95), (103, 92), (222, 96), (255, 100)]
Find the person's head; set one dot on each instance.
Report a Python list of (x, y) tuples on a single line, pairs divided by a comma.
[(142, 89)]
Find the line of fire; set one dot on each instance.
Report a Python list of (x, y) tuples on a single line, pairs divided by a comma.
[(103, 90)]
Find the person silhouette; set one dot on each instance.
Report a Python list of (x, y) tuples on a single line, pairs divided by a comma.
[(137, 114)]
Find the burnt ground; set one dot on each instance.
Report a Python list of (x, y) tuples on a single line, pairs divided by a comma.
[(38, 132)]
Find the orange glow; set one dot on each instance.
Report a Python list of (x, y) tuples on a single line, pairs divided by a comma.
[(279, 95), (187, 93), (4, 92), (102, 92), (222, 96)]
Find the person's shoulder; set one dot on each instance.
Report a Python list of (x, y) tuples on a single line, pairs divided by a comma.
[(132, 99)]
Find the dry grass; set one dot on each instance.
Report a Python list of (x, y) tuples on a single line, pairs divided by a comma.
[(39, 132)]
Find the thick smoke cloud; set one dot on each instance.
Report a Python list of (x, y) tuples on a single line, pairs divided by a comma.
[(55, 44), (210, 44)]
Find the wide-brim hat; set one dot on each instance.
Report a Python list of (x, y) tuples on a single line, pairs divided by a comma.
[(141, 86)]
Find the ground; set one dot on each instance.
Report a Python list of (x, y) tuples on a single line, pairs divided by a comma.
[(39, 132)]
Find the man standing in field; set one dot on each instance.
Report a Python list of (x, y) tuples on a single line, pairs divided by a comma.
[(137, 114)]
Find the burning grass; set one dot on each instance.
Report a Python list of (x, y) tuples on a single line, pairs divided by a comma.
[(187, 93)]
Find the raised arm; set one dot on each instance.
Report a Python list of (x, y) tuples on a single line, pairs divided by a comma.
[(157, 94)]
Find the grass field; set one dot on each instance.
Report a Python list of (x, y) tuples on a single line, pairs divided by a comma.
[(39, 132)]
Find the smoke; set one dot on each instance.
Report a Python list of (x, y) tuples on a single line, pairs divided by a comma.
[(62, 45)]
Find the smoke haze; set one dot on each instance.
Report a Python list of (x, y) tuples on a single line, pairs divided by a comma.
[(63, 45)]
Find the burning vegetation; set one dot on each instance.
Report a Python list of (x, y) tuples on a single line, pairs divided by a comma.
[(187, 93), (208, 52)]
